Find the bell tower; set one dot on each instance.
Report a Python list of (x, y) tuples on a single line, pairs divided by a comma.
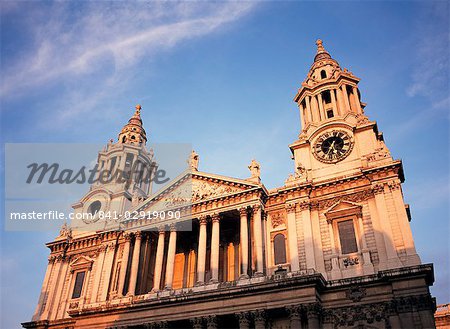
[(336, 137), (341, 152), (328, 91), (123, 176)]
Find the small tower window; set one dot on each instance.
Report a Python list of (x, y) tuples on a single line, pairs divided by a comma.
[(326, 96), (279, 248), (330, 114), (323, 74)]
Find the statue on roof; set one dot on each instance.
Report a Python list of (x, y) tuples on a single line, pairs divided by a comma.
[(193, 161), (255, 169)]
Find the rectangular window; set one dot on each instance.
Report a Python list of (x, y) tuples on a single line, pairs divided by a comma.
[(347, 236), (78, 286), (330, 114)]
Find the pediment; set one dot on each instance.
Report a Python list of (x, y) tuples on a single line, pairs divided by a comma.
[(343, 208), (82, 262), (196, 187)]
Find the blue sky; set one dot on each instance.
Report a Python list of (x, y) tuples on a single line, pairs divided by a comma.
[(222, 76)]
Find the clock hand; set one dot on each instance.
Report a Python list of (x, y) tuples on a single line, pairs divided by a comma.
[(331, 148)]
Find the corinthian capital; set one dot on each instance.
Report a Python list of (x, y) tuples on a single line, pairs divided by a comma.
[(203, 219), (304, 205), (256, 207), (313, 309), (127, 236), (378, 188), (243, 211), (290, 207), (215, 217), (393, 186)]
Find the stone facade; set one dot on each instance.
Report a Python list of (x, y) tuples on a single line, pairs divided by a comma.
[(442, 316), (331, 248)]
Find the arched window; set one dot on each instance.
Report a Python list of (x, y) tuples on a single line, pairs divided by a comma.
[(279, 248), (323, 74)]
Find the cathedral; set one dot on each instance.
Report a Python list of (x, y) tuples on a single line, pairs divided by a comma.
[(330, 248)]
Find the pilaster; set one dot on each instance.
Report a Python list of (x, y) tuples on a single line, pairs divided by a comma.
[(292, 237)]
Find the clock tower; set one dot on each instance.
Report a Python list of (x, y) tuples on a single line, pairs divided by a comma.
[(337, 138), (339, 143)]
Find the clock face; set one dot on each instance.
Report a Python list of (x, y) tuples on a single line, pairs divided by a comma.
[(332, 146)]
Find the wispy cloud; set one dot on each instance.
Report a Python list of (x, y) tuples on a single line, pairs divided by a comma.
[(76, 41), (429, 70), (431, 65)]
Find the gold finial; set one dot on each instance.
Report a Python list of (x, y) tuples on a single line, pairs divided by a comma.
[(320, 47), (138, 109)]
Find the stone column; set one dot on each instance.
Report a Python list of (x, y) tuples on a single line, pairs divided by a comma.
[(315, 109), (109, 260), (68, 294), (294, 316), (44, 290), (320, 102), (340, 101), (159, 259), (356, 99), (308, 109), (244, 242), (394, 321), (346, 100), (302, 115), (391, 252), (171, 256), (135, 263), (367, 266), (292, 236), (257, 229), (335, 269), (427, 318), (313, 312), (99, 263), (244, 320), (215, 248), (60, 285), (308, 235), (408, 241), (201, 251), (51, 289), (328, 319), (124, 263), (259, 317)]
